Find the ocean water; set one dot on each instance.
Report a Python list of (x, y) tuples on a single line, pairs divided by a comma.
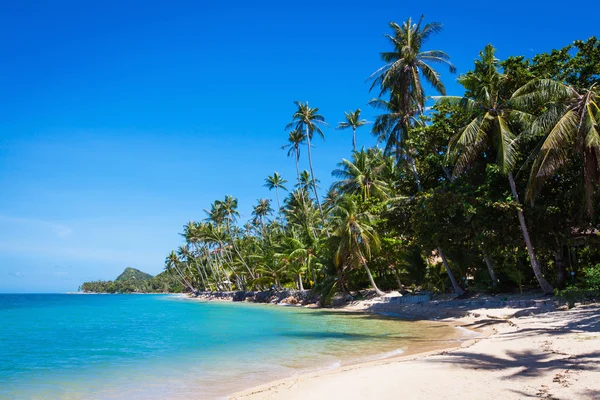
[(166, 347)]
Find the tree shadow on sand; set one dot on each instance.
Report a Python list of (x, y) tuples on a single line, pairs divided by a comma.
[(527, 363)]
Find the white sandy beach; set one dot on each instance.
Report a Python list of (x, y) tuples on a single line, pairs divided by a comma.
[(521, 355)]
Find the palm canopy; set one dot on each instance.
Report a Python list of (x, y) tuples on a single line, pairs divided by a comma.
[(275, 181), (362, 175), (569, 129), (307, 119), (406, 62), (295, 139), (353, 121), (495, 115), (357, 237)]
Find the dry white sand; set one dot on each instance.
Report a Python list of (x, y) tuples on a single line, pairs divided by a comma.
[(554, 355)]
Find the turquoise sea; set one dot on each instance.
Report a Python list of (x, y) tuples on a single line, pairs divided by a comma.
[(59, 346)]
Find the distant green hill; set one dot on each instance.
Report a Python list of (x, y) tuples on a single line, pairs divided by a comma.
[(135, 281), (132, 273)]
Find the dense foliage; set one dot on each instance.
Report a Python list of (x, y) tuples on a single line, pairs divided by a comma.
[(135, 281), (496, 189)]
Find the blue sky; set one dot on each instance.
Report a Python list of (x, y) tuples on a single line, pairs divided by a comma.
[(121, 120)]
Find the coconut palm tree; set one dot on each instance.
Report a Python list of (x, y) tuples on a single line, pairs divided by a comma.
[(356, 235), (492, 129), (362, 175), (275, 181), (296, 138), (305, 181), (308, 120), (262, 210), (352, 121), (407, 64), (570, 130), (405, 68)]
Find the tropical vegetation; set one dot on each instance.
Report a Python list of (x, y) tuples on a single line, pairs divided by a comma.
[(495, 188)]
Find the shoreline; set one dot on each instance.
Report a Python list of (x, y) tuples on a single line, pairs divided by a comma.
[(505, 359)]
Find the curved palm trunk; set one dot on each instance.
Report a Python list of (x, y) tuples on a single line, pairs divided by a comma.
[(377, 290), (457, 289), (490, 267), (397, 275), (546, 287), (312, 174), (237, 251)]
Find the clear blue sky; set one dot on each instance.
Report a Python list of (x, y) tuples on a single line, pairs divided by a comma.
[(121, 120)]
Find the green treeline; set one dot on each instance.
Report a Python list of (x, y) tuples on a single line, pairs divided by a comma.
[(135, 281), (494, 190)]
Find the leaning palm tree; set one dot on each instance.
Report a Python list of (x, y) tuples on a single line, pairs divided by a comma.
[(570, 130), (352, 121), (295, 139), (275, 181), (308, 119), (495, 115), (356, 235)]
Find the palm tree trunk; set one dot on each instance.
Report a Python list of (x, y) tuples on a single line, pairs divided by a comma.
[(397, 275), (377, 290), (457, 289), (312, 174), (300, 282), (354, 138), (413, 167), (546, 287), (237, 251), (297, 167), (314, 274), (278, 203), (490, 267)]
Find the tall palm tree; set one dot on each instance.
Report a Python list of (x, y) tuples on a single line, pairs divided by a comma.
[(357, 237), (352, 121), (308, 119), (275, 181), (570, 129), (296, 138), (494, 113), (407, 63)]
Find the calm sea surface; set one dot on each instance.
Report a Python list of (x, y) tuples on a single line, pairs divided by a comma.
[(58, 346)]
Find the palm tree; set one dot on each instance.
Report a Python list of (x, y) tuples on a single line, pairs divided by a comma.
[(570, 130), (261, 210), (352, 121), (406, 64), (225, 211), (362, 175), (308, 119), (295, 139), (357, 238), (306, 181), (275, 181), (492, 129), (172, 264), (401, 76)]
